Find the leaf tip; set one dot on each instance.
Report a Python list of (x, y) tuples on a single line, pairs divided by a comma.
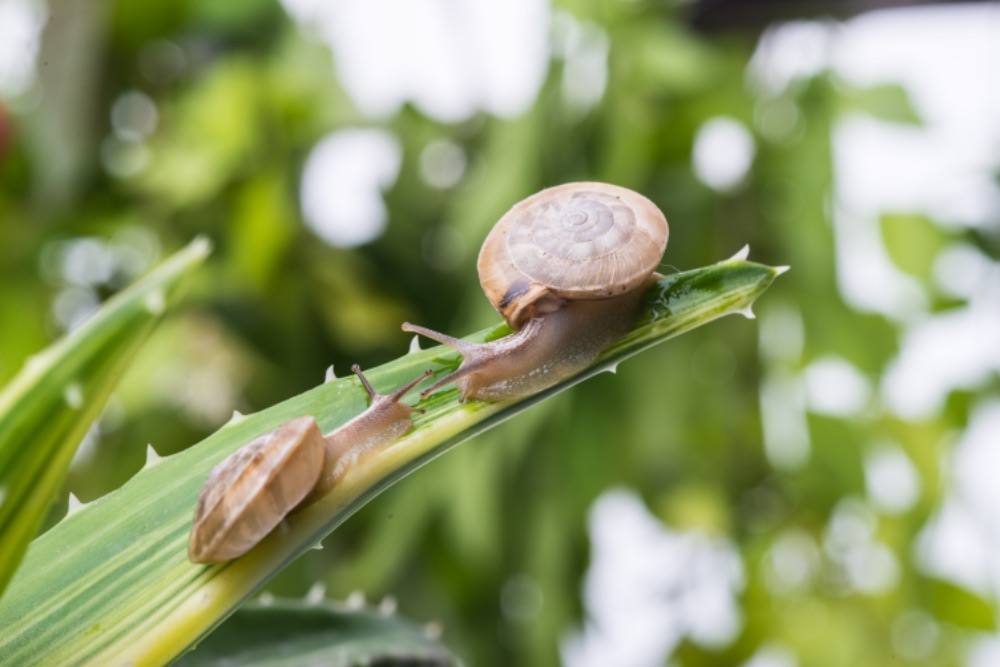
[(778, 270)]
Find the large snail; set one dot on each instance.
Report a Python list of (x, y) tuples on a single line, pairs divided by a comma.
[(566, 268), (254, 488)]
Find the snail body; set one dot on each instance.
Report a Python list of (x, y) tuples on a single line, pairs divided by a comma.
[(253, 489), (566, 268)]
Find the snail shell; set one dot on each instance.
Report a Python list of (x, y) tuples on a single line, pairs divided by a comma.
[(251, 490), (567, 269), (577, 241)]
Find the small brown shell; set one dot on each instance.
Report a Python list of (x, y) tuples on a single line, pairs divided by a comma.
[(569, 242), (251, 491)]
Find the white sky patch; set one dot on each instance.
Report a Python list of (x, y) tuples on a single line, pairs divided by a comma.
[(789, 52), (134, 116), (442, 163), (787, 443), (583, 47), (952, 546), (963, 271), (792, 562), (866, 565), (783, 417), (943, 55), (773, 655), (835, 387), (892, 167), (648, 588), (945, 58), (449, 59), (891, 479), (342, 185), (866, 276), (961, 542), (985, 652), (977, 460), (955, 349), (915, 635), (723, 153), (21, 23), (944, 168)]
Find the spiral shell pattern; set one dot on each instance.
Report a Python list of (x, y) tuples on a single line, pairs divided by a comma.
[(573, 241)]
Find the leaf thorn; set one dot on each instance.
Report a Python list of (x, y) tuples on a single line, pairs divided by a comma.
[(388, 605), (75, 505), (151, 456), (433, 630), (316, 594), (742, 254)]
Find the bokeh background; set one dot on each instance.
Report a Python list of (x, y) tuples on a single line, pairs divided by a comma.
[(816, 487)]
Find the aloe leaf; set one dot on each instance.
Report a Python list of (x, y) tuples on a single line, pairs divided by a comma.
[(47, 408), (293, 633), (112, 584)]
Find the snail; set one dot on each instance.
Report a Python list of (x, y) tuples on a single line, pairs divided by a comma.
[(254, 488), (566, 268)]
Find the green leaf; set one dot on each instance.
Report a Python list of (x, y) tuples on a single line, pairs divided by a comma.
[(960, 606), (112, 584), (293, 633), (888, 102), (47, 408), (913, 242)]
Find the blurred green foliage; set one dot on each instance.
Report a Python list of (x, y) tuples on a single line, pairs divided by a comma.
[(242, 94)]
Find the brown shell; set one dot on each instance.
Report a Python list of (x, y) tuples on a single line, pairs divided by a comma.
[(569, 242), (251, 491)]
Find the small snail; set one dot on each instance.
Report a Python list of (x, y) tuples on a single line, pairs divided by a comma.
[(566, 268), (255, 487)]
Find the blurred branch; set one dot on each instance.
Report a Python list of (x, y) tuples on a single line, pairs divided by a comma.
[(65, 127)]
